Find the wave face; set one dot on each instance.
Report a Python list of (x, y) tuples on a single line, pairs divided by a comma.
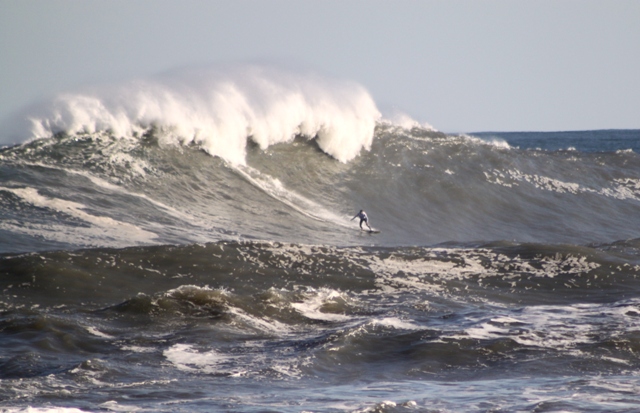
[(419, 187), (185, 243)]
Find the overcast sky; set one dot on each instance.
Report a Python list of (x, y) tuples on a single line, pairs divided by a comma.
[(461, 66)]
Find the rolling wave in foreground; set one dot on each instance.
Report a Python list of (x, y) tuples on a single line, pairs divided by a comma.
[(184, 243)]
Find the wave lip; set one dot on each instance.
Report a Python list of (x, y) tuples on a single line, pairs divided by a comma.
[(220, 109)]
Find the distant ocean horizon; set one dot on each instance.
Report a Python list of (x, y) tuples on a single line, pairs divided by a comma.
[(599, 140), (188, 245)]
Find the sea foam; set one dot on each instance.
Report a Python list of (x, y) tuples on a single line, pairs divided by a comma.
[(219, 109)]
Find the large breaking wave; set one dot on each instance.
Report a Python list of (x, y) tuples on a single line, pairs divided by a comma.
[(132, 165)]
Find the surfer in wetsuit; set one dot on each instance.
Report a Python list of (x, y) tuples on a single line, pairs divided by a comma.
[(363, 218)]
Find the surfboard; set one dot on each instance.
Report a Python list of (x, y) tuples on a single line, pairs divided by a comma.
[(371, 231)]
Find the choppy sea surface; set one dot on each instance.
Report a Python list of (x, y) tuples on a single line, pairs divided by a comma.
[(185, 244)]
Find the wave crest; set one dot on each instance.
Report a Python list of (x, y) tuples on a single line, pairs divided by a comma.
[(220, 109)]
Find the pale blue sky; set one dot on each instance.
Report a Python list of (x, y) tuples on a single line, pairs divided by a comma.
[(461, 66)]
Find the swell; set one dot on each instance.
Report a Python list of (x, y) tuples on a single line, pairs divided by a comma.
[(500, 273), (306, 311)]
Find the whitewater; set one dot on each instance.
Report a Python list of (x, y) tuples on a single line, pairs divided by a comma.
[(184, 243)]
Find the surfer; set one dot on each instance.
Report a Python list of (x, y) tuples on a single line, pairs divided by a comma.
[(363, 218)]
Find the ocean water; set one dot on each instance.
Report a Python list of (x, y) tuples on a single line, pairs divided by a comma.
[(184, 243)]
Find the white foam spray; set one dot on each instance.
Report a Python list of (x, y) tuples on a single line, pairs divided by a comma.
[(219, 109), (402, 120)]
